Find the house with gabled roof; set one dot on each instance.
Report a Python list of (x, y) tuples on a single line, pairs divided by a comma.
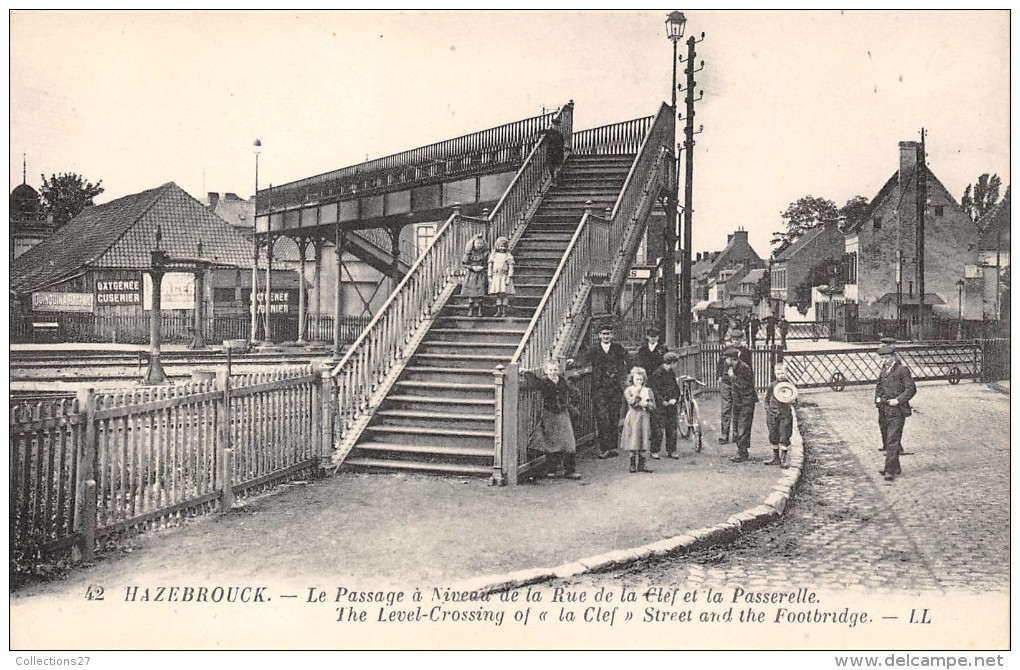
[(791, 265), (885, 236), (98, 262)]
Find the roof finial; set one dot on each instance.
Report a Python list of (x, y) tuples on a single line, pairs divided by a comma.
[(24, 169)]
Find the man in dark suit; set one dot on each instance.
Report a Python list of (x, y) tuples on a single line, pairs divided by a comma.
[(744, 399), (610, 365), (752, 328), (650, 355), (893, 392)]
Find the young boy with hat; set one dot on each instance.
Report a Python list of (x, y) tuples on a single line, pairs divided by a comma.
[(667, 392), (744, 399), (779, 416)]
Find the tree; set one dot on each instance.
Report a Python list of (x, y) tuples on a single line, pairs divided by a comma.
[(829, 272), (853, 211), (981, 196), (763, 289), (807, 213), (64, 196)]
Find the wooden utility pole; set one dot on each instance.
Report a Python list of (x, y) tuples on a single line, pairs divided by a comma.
[(922, 203), (685, 263)]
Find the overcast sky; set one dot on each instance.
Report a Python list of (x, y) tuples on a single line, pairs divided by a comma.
[(795, 103)]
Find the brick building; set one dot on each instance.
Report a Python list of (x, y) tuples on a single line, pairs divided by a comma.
[(791, 266), (886, 233)]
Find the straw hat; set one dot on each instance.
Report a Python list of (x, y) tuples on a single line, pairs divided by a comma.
[(785, 392)]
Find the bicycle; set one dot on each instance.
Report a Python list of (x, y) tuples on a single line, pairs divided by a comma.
[(688, 418)]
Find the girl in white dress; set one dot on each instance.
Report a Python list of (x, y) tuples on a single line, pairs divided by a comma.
[(501, 275), (637, 429)]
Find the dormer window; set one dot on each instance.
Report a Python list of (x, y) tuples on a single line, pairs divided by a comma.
[(877, 223)]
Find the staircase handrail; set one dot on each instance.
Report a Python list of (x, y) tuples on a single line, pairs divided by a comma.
[(505, 217), (380, 346), (624, 137), (588, 248), (612, 232)]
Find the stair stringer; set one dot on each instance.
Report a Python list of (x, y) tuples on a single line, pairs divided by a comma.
[(353, 433)]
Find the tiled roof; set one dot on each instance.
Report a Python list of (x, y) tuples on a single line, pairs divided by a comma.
[(800, 243), (753, 276), (929, 299), (122, 234), (890, 185)]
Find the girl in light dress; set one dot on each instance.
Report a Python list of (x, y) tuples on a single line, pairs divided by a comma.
[(637, 429), (501, 275)]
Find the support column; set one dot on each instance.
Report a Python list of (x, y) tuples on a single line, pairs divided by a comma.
[(269, 286), (155, 374), (394, 275), (302, 245), (339, 300), (198, 338), (254, 289), (317, 245)]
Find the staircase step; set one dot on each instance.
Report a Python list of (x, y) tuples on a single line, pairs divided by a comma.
[(433, 468), (446, 391), (450, 420), (461, 361), (515, 300), (506, 324), (530, 289), (502, 336), (449, 373), (430, 403), (518, 311), (432, 436), (442, 348)]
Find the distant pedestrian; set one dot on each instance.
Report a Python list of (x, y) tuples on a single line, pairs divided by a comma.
[(744, 399), (554, 434), (554, 149), (770, 331), (501, 275), (753, 327), (893, 392), (779, 418), (784, 328), (637, 425), (609, 365), (667, 393), (476, 258), (725, 394)]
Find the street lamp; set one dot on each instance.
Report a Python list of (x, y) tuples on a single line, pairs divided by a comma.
[(255, 244), (675, 23), (959, 308)]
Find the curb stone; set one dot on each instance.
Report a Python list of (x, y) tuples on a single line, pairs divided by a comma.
[(772, 508)]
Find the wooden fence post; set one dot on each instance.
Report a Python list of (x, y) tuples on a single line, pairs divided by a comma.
[(511, 384), (327, 415), (498, 478), (225, 454), (85, 509)]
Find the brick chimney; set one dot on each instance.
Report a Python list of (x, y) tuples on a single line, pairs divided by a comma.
[(739, 233), (908, 161), (214, 199), (729, 238)]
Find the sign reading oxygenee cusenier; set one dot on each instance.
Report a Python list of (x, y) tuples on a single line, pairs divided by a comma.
[(114, 291)]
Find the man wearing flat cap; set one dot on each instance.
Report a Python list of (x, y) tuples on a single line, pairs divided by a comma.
[(744, 399), (893, 392), (649, 356), (735, 339), (610, 365)]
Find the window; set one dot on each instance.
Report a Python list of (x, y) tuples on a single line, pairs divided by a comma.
[(222, 295), (877, 223), (423, 236), (940, 210)]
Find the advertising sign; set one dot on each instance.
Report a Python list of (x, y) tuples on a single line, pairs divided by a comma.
[(178, 291), (111, 292), (279, 302), (47, 301)]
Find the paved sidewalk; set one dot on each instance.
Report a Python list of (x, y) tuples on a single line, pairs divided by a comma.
[(408, 530)]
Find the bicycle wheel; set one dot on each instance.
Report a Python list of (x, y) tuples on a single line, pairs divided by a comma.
[(683, 423), (696, 423)]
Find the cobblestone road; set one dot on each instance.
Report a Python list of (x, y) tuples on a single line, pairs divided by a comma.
[(943, 526)]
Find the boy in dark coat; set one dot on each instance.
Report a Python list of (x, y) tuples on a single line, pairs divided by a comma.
[(893, 392), (667, 392), (744, 399), (649, 356)]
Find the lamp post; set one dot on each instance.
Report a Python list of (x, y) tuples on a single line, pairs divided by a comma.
[(959, 309), (675, 23), (255, 244)]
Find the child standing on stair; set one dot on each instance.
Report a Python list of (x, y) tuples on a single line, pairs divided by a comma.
[(637, 428), (474, 262), (501, 275)]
